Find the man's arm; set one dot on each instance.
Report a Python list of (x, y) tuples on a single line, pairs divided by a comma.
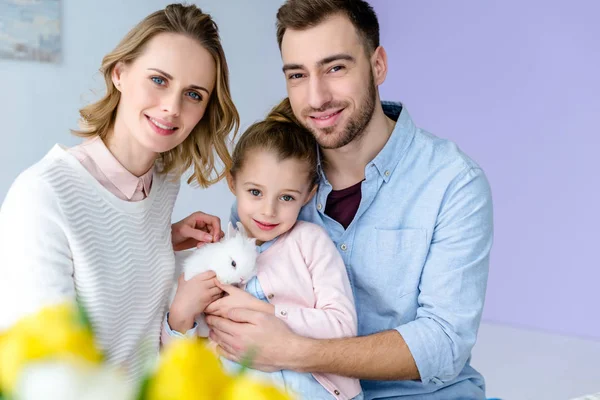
[(454, 280), (381, 356)]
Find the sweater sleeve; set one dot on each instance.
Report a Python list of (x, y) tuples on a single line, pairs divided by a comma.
[(36, 266), (334, 314)]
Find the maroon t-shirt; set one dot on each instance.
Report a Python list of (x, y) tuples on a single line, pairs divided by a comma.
[(343, 204)]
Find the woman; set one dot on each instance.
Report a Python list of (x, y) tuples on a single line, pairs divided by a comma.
[(93, 222)]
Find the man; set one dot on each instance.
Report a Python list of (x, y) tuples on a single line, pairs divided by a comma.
[(410, 214)]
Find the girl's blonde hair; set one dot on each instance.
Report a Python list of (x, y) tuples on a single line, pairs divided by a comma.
[(210, 135), (282, 134)]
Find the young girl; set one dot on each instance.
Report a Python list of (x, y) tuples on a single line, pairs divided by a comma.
[(301, 276), (93, 222)]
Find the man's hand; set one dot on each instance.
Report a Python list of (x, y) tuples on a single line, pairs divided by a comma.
[(191, 299), (269, 341), (236, 298), (195, 230)]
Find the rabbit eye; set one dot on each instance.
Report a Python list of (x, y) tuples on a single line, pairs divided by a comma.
[(233, 264)]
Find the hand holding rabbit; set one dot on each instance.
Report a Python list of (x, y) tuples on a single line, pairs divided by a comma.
[(236, 298)]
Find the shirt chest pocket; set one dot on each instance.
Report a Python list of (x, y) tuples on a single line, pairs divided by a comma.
[(400, 255)]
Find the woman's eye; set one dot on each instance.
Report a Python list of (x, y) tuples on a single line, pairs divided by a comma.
[(195, 96), (158, 80)]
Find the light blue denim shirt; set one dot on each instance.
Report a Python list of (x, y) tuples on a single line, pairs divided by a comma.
[(417, 254)]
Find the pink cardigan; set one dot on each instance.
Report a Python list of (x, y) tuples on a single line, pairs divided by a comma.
[(304, 277)]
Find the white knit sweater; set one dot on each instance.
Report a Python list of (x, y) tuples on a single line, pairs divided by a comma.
[(63, 235)]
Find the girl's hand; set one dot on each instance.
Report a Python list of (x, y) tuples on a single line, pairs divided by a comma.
[(191, 299)]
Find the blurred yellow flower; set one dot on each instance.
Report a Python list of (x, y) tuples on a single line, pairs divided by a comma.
[(187, 370), (248, 389), (51, 333)]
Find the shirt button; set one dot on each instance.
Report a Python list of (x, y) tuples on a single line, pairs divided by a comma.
[(343, 247), (387, 173), (319, 206), (337, 392), (270, 296), (283, 313)]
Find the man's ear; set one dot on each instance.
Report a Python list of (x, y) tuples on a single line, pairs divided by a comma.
[(379, 65)]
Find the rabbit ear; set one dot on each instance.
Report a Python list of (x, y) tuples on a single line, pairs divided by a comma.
[(230, 234), (241, 229)]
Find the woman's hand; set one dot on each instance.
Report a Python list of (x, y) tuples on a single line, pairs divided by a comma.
[(195, 230)]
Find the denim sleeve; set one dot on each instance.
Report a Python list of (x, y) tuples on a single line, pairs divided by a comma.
[(192, 332), (453, 281), (233, 215)]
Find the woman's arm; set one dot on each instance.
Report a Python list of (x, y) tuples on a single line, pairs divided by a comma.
[(36, 265)]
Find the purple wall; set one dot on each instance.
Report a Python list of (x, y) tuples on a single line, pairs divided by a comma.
[(516, 85)]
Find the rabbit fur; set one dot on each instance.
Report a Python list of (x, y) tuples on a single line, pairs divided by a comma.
[(233, 259)]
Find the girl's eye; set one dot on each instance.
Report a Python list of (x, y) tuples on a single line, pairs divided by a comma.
[(158, 80), (254, 192), (287, 197)]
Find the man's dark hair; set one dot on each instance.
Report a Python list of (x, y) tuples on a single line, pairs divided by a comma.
[(303, 14)]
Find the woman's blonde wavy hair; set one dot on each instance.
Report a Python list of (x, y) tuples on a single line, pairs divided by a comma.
[(211, 134)]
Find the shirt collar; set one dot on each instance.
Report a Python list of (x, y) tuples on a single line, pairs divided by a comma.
[(265, 246), (401, 137), (385, 162), (115, 172)]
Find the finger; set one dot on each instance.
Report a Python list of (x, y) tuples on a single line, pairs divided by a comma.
[(222, 324), (205, 276), (186, 244), (244, 315), (213, 307), (227, 354), (214, 292), (211, 222), (222, 338), (223, 287), (197, 234)]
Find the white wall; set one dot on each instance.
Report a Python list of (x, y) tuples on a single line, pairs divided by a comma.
[(39, 102), (526, 364)]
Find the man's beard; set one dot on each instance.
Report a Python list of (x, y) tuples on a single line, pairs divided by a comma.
[(356, 125)]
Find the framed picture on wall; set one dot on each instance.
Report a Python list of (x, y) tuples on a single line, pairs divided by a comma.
[(30, 30)]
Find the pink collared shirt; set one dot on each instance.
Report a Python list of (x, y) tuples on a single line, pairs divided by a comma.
[(106, 169)]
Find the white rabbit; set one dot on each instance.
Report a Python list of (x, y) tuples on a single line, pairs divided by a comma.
[(233, 259)]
